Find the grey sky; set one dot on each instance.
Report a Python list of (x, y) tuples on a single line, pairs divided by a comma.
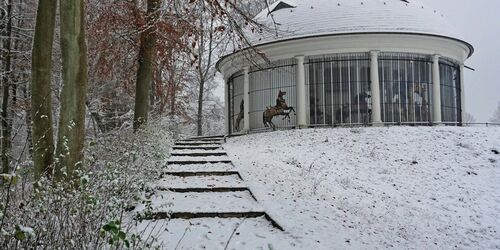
[(479, 22)]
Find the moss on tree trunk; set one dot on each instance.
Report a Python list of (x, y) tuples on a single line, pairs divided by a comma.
[(71, 134), (41, 101)]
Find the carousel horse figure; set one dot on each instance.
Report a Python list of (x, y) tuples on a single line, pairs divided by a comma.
[(281, 108), (361, 105), (241, 115)]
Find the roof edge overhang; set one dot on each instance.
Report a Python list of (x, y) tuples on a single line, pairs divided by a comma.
[(468, 45)]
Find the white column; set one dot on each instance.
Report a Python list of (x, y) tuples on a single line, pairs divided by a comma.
[(246, 100), (226, 103), (375, 87), (301, 93), (436, 91), (462, 92)]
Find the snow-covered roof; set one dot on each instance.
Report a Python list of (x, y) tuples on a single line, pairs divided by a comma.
[(306, 18)]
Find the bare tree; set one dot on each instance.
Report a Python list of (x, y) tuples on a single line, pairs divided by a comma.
[(71, 133), (496, 115), (145, 70), (469, 118), (209, 40), (41, 112), (6, 83)]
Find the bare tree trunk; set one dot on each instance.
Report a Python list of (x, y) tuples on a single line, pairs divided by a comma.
[(71, 134), (145, 71), (7, 77), (200, 107), (29, 135), (173, 95), (41, 100), (203, 70)]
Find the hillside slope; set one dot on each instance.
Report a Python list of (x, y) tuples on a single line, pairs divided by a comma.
[(403, 187)]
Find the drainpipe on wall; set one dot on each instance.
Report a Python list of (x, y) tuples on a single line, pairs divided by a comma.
[(301, 93), (462, 93)]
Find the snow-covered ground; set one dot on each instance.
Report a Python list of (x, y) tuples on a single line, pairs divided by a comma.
[(401, 187)]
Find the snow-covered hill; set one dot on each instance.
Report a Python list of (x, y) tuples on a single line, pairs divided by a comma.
[(402, 187)]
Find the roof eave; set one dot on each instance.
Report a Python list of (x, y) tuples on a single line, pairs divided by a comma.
[(471, 48)]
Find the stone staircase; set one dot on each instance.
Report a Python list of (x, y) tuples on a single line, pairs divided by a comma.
[(200, 184)]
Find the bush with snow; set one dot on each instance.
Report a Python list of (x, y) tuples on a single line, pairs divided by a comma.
[(95, 214)]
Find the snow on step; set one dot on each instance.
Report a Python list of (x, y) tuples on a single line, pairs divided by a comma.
[(199, 159), (219, 167), (197, 143), (166, 201), (199, 154), (213, 233), (202, 147), (178, 182), (197, 151), (204, 140)]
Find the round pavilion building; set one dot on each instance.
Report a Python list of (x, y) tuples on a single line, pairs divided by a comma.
[(347, 63)]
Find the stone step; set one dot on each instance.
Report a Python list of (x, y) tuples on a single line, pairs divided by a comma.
[(202, 140), (205, 190), (198, 154), (216, 233), (190, 150), (196, 161), (200, 173), (191, 215), (226, 215), (200, 167), (197, 143), (197, 158), (200, 182), (214, 147), (200, 202), (206, 137)]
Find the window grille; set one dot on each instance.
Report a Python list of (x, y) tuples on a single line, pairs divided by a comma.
[(265, 83), (338, 89), (451, 108), (405, 88)]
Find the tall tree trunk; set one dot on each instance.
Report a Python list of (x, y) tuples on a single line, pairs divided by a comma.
[(71, 133), (203, 70), (200, 107), (41, 100), (145, 71), (29, 134), (173, 95), (7, 77)]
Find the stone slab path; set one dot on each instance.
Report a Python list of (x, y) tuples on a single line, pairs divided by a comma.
[(199, 195)]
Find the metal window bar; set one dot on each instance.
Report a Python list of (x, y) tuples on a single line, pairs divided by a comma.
[(406, 74), (334, 90), (235, 98), (265, 83)]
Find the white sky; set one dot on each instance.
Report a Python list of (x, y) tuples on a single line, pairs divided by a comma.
[(479, 22)]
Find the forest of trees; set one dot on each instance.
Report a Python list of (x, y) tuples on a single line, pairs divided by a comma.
[(74, 69), (87, 84)]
